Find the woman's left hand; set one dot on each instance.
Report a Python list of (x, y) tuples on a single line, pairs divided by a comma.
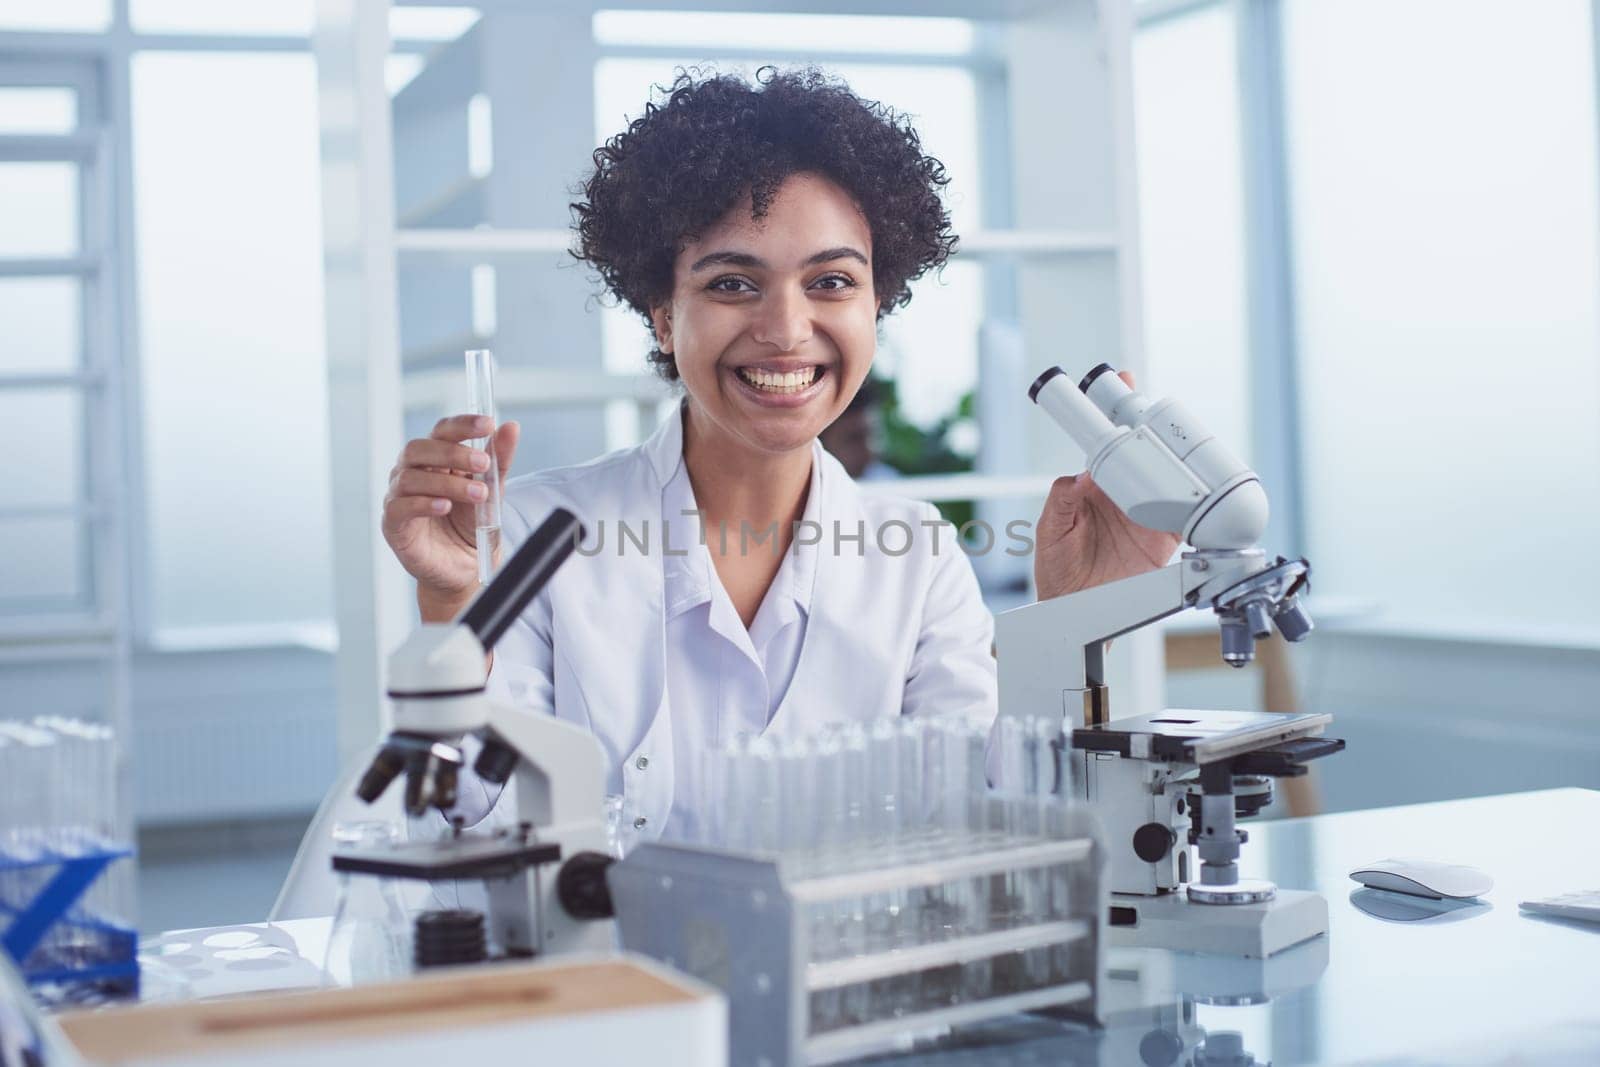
[(1083, 539)]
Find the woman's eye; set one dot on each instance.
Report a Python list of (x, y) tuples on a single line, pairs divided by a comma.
[(731, 284), (833, 282)]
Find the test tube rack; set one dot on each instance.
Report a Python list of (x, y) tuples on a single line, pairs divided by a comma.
[(53, 938), (748, 923), (65, 891)]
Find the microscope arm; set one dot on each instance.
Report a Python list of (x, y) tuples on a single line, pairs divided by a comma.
[(573, 790), (1051, 654)]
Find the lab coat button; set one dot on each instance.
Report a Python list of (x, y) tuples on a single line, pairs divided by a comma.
[(640, 822), (642, 762)]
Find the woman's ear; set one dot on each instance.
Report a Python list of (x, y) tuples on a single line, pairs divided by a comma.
[(661, 323)]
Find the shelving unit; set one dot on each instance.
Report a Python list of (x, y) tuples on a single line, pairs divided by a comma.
[(422, 213)]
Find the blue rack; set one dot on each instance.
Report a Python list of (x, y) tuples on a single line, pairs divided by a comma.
[(105, 951)]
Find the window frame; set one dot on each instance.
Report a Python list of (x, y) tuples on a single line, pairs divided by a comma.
[(93, 382), (1276, 401), (118, 519)]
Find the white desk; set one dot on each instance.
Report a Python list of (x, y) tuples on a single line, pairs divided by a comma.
[(1467, 987), (1490, 987)]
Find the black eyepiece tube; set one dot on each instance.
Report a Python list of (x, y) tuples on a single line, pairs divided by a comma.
[(494, 609)]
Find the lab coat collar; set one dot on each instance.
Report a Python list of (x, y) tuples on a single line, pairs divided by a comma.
[(687, 578), (664, 447)]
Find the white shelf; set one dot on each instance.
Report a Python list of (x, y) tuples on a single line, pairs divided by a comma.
[(534, 387), (480, 246), (35, 638), (490, 245), (938, 487), (316, 635), (1039, 243)]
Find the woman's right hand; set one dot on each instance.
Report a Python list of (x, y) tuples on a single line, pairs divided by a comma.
[(429, 511)]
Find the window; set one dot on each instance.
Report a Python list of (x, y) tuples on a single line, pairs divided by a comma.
[(234, 380), (1448, 304), (86, 16), (49, 226), (1191, 217), (38, 109), (52, 411)]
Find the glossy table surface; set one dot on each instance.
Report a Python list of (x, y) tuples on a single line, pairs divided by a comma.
[(1459, 984), (1397, 980)]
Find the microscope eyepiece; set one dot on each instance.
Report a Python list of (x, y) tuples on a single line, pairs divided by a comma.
[(1089, 379), (1041, 381)]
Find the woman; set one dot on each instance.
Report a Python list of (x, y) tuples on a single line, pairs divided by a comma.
[(762, 231)]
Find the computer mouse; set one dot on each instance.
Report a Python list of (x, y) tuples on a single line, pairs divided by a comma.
[(1424, 878), (1407, 908)]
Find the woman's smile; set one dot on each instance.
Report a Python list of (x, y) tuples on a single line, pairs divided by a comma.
[(782, 383), (772, 322)]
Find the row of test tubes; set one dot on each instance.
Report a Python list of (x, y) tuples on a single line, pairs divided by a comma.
[(899, 791), (58, 803)]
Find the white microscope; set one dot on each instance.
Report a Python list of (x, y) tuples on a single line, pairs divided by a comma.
[(1165, 782), (541, 877)]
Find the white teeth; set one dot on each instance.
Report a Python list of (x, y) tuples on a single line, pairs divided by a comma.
[(788, 382)]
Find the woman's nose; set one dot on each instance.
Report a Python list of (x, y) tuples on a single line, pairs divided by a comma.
[(785, 320)]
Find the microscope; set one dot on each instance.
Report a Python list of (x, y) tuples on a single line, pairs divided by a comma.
[(540, 875), (1166, 784)]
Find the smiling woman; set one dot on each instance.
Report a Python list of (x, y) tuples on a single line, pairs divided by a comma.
[(720, 142), (762, 229)]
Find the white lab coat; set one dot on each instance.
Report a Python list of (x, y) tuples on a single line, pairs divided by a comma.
[(888, 633)]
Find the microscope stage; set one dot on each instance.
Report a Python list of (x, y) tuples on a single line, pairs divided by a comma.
[(1185, 736), (451, 858)]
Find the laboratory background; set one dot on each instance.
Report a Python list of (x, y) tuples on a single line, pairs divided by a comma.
[(244, 245)]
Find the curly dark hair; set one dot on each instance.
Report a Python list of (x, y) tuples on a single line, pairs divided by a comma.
[(685, 163)]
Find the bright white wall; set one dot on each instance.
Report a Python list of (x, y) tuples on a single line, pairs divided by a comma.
[(1191, 219), (1447, 261)]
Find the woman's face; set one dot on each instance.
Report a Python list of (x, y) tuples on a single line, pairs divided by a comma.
[(773, 321)]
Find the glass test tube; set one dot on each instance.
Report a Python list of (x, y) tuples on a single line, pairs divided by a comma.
[(480, 401)]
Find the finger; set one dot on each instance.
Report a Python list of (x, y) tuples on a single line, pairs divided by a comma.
[(455, 487), (404, 509), (430, 453), (462, 427), (505, 446), (1068, 489), (1127, 376), (1066, 482)]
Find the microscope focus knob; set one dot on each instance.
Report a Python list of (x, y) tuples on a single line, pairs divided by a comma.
[(1152, 841)]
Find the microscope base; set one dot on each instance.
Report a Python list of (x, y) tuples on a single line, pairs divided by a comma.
[(1172, 921)]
